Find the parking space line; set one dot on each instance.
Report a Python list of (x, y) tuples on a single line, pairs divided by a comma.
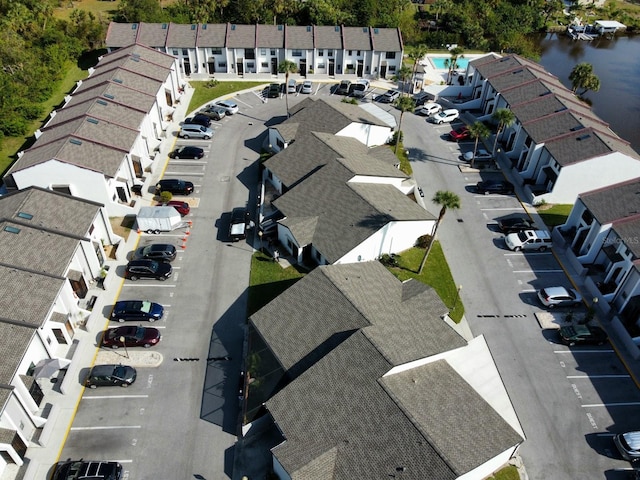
[(185, 174), (189, 162), (620, 404), (102, 397), (106, 427), (599, 376), (136, 284), (502, 208), (538, 271), (583, 351)]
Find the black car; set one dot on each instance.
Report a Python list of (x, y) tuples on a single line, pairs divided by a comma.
[(199, 119), (187, 152), (515, 224), (273, 91), (94, 469), (494, 186), (110, 375), (239, 224), (175, 186), (162, 252), (213, 112), (582, 335), (147, 269), (137, 310)]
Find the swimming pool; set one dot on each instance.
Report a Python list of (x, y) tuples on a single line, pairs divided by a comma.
[(439, 63)]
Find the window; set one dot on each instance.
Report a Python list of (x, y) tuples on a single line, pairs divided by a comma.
[(250, 65), (216, 51), (263, 52), (350, 52), (330, 53), (390, 55), (280, 143), (174, 53), (222, 64), (185, 52), (321, 53), (273, 52), (359, 53), (249, 54), (321, 65), (392, 68), (264, 65), (296, 53)]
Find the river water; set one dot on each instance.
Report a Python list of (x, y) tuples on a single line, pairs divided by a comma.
[(617, 63)]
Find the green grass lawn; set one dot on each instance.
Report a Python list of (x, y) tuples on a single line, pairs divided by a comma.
[(268, 280), (507, 473), (100, 8), (204, 94), (554, 215)]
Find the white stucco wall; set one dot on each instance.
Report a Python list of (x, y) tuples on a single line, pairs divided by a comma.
[(370, 135), (394, 237), (82, 182), (591, 174)]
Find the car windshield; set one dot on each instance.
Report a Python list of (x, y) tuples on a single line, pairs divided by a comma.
[(119, 371), (145, 306), (139, 333), (523, 236)]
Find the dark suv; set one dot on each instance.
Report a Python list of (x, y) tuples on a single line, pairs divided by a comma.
[(147, 269), (199, 119), (94, 469), (187, 152), (111, 375), (162, 252), (137, 310), (175, 186)]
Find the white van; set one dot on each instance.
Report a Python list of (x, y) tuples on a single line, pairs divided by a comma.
[(528, 240), (192, 130), (359, 88)]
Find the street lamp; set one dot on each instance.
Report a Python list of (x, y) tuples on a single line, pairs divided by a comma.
[(124, 344)]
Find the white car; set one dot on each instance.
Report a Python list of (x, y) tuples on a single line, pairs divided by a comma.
[(307, 87), (428, 109), (481, 156), (558, 297), (447, 116), (229, 107)]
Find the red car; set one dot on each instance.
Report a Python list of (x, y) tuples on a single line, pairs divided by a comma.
[(458, 134), (133, 336), (183, 208)]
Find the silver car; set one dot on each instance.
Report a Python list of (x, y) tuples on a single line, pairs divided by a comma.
[(628, 444), (307, 87)]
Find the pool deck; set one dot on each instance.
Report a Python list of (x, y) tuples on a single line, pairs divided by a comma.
[(436, 75)]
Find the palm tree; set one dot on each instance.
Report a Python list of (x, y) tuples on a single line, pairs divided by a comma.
[(417, 53), (582, 76), (505, 118), (287, 67), (404, 104), (440, 5), (477, 131), (403, 75), (446, 200), (452, 62)]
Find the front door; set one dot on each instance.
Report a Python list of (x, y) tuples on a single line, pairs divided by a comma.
[(360, 69), (383, 71), (240, 66), (274, 66), (332, 68), (303, 68), (212, 66), (187, 67)]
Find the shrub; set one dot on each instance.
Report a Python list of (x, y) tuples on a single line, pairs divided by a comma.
[(166, 197), (423, 241)]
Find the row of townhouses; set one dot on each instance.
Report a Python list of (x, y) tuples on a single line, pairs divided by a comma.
[(250, 50)]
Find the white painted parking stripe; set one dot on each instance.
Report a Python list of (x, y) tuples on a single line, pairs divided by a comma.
[(106, 427), (136, 284), (244, 103), (122, 461), (529, 290), (620, 404), (102, 397), (538, 271), (583, 351), (502, 208), (189, 162), (598, 376), (184, 174)]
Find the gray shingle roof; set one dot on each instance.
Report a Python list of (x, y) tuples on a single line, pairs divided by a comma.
[(328, 37), (615, 202), (270, 36), (472, 436), (241, 36), (629, 232), (299, 37), (122, 34), (139, 51), (182, 35), (14, 342), (212, 35), (386, 39), (347, 213), (357, 38), (350, 414), (152, 34), (126, 78), (577, 146), (100, 108)]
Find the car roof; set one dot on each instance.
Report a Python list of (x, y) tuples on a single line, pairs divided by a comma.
[(556, 291), (632, 439), (450, 111), (227, 103)]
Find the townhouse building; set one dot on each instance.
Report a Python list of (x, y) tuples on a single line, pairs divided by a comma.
[(252, 51)]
